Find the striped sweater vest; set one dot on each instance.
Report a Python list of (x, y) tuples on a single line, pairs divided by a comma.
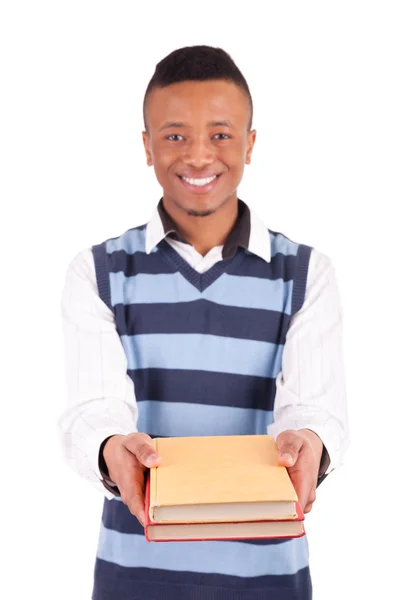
[(203, 352)]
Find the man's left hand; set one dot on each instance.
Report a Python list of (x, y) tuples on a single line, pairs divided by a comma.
[(300, 452)]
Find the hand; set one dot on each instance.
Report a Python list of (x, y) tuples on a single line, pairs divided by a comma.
[(127, 458), (301, 451)]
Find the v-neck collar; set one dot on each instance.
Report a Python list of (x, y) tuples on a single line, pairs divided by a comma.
[(201, 281)]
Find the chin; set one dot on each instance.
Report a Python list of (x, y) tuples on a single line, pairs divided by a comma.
[(201, 208), (193, 212)]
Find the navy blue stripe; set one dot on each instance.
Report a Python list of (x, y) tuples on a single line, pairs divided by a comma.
[(124, 583), (101, 268), (300, 282), (204, 387), (140, 262), (202, 316), (281, 266), (117, 516)]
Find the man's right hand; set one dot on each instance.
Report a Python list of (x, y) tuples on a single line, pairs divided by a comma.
[(127, 458)]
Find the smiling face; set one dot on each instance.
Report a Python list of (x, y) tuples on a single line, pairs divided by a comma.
[(198, 141)]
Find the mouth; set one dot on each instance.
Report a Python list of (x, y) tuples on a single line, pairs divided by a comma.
[(199, 185)]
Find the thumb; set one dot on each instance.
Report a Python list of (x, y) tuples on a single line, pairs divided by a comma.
[(289, 444), (142, 446)]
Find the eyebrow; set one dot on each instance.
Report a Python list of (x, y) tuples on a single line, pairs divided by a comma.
[(179, 124)]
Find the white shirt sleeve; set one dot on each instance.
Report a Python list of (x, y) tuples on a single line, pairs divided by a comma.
[(311, 385), (101, 399)]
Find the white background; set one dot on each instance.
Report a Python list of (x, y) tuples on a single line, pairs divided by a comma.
[(325, 81)]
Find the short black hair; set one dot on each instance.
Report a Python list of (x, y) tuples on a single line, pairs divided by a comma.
[(197, 63)]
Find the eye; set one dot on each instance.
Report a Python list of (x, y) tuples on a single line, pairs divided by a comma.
[(221, 136), (174, 137)]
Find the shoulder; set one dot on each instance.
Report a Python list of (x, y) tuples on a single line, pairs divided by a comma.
[(81, 266), (131, 241), (320, 263), (282, 244), (313, 271), (322, 279)]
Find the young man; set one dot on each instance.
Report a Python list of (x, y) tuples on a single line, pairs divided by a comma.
[(202, 322)]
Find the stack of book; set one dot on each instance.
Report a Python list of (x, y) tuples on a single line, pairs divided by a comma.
[(220, 488)]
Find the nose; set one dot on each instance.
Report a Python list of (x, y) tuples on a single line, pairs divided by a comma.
[(198, 153)]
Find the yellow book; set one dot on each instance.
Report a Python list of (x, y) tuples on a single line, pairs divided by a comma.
[(220, 479)]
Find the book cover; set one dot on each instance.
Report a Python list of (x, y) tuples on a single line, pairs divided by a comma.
[(220, 478)]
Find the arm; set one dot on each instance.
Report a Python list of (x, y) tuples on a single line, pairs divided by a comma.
[(101, 400), (310, 397)]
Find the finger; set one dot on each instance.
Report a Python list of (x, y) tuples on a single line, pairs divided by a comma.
[(142, 446), (131, 487), (289, 444), (308, 508), (312, 496), (310, 502), (302, 483)]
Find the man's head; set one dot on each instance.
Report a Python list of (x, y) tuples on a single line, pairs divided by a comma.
[(198, 115)]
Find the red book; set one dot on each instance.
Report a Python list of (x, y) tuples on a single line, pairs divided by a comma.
[(193, 532)]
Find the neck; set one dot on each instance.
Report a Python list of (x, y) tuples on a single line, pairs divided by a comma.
[(204, 232)]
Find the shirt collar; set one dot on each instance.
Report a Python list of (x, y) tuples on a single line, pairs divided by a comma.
[(249, 232)]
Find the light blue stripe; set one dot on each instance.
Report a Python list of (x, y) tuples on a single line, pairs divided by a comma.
[(280, 244), (181, 419), (147, 289), (228, 290), (134, 240), (203, 352), (251, 292), (131, 241), (226, 558)]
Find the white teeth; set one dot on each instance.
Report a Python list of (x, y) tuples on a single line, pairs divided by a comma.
[(199, 182)]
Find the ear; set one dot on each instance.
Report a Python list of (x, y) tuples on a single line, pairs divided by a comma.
[(251, 140), (146, 143)]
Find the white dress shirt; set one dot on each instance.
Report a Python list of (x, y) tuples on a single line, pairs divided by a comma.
[(310, 391)]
